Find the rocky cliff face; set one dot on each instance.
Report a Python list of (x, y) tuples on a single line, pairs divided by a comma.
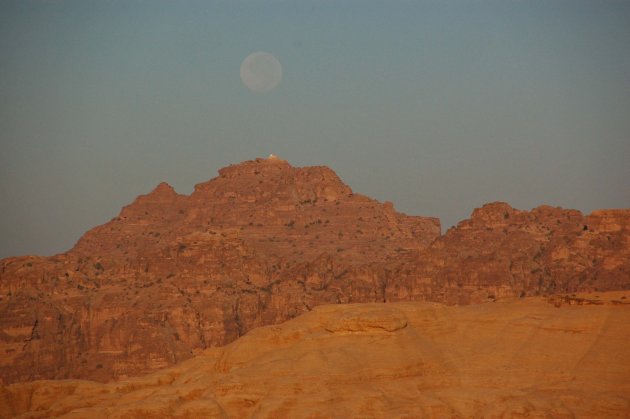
[(262, 243), (501, 251)]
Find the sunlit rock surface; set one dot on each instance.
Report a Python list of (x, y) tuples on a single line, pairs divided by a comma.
[(262, 243), (527, 357)]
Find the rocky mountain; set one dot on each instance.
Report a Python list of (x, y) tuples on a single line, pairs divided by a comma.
[(514, 358), (261, 243), (501, 251)]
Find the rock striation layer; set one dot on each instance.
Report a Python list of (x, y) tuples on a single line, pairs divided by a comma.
[(262, 243), (512, 358)]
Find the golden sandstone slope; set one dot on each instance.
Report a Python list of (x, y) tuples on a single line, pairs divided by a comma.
[(263, 242), (530, 357)]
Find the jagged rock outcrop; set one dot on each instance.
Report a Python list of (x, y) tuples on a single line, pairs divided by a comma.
[(262, 243), (501, 251), (512, 358), (174, 273)]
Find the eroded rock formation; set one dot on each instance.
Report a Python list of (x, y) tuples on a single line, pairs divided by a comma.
[(262, 243), (501, 251)]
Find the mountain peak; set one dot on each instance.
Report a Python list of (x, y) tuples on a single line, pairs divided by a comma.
[(163, 188), (272, 163), (493, 213), (163, 192), (262, 242), (274, 178)]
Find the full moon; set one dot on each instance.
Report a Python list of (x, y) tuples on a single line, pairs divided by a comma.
[(261, 72)]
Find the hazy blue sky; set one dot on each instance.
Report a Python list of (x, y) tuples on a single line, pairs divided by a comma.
[(438, 106)]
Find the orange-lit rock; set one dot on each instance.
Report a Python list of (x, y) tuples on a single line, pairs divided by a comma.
[(510, 358), (262, 243), (502, 252), (173, 273)]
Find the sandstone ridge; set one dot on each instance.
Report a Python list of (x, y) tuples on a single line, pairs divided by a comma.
[(262, 243), (513, 358)]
